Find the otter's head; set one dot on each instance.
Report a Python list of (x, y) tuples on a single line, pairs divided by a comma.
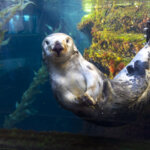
[(58, 47)]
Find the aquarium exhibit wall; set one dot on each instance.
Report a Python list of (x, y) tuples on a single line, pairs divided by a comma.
[(107, 33)]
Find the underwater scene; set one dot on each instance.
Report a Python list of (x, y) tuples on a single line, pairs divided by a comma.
[(76, 69)]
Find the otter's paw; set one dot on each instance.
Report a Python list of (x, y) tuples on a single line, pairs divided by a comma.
[(86, 100)]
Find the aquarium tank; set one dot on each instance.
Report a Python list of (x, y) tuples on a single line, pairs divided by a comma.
[(108, 33)]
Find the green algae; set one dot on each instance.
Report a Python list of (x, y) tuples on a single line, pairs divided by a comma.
[(24, 108), (117, 34)]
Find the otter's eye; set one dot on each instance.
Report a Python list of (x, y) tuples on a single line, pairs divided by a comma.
[(67, 40), (47, 42)]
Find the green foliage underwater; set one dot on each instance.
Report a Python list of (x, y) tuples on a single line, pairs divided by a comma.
[(117, 33)]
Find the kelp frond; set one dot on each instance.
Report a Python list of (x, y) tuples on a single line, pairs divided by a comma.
[(7, 13)]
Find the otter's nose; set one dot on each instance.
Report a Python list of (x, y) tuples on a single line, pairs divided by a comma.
[(58, 47)]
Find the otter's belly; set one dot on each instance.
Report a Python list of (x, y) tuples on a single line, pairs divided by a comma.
[(76, 83)]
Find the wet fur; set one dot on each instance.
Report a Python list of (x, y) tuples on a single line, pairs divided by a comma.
[(81, 88)]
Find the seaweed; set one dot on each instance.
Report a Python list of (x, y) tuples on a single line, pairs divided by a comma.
[(117, 33), (24, 109), (7, 13)]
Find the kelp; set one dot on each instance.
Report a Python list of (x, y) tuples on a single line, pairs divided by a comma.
[(117, 33), (24, 109), (7, 13)]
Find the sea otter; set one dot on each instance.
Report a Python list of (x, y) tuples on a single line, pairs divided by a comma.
[(83, 89)]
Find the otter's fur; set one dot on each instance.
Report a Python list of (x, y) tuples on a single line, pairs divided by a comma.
[(80, 87)]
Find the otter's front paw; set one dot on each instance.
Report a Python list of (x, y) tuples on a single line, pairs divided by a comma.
[(86, 100)]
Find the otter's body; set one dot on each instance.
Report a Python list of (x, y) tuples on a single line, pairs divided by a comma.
[(74, 76), (80, 87)]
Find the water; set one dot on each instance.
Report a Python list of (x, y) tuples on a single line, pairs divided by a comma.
[(20, 59)]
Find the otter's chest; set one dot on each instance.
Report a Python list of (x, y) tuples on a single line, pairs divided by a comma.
[(72, 81)]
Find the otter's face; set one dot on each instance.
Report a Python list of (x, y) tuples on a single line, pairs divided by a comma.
[(58, 47)]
